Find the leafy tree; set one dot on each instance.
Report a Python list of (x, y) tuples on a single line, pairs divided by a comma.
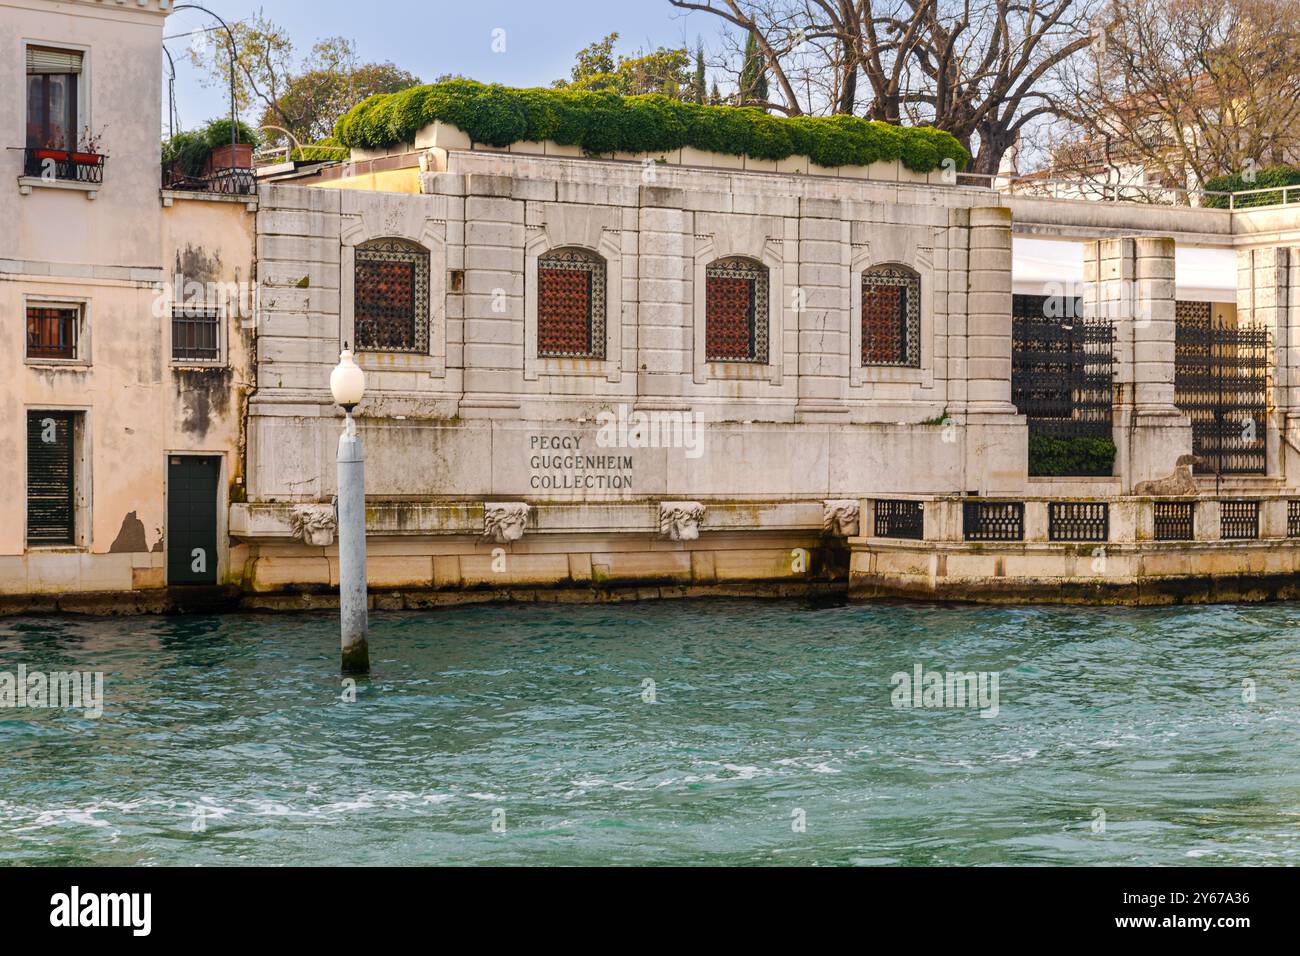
[(306, 98), (664, 70), (753, 76)]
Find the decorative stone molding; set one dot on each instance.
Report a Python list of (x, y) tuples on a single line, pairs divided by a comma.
[(840, 517), (313, 524), (680, 520), (504, 521)]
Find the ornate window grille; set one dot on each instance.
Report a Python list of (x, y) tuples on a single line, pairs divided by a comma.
[(1078, 521), (1062, 371), (891, 317), (571, 304), (735, 311), (1238, 520), (1175, 520), (1293, 518), (899, 519), (1221, 381), (993, 520), (391, 297)]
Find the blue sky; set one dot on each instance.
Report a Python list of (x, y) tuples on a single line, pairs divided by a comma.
[(445, 36)]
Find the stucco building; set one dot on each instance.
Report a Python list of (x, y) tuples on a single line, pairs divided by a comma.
[(115, 403)]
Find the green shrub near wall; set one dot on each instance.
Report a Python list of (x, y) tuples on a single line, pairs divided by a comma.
[(1070, 457), (191, 148), (603, 123), (1263, 179)]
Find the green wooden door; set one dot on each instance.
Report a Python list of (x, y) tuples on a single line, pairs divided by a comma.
[(192, 519)]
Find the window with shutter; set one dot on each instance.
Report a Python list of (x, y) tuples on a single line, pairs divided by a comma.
[(53, 81), (51, 478)]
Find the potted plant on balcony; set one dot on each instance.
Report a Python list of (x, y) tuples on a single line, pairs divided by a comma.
[(91, 152), (222, 154), (197, 154)]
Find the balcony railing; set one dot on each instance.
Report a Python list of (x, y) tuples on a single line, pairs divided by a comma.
[(66, 165), (231, 181)]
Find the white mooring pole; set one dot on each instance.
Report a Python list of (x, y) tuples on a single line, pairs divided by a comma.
[(347, 382)]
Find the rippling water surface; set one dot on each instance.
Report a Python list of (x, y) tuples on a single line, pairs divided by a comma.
[(535, 716)]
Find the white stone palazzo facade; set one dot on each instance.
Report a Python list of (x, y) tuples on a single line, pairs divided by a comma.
[(483, 420)]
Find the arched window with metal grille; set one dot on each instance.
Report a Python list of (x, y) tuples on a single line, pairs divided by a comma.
[(391, 296), (891, 316), (735, 311), (570, 304)]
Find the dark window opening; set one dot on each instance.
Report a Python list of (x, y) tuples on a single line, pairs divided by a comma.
[(53, 78), (196, 332), (52, 331)]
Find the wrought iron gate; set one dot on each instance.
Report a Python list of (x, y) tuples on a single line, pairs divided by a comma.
[(1221, 382), (1062, 376)]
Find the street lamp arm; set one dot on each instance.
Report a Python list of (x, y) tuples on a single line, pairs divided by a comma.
[(233, 50)]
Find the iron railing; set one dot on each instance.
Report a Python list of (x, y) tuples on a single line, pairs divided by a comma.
[(993, 520), (899, 519), (64, 165), (230, 181), (1078, 521), (1238, 520), (1221, 382), (1062, 369), (1175, 520)]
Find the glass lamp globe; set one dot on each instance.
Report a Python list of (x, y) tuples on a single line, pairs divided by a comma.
[(347, 381)]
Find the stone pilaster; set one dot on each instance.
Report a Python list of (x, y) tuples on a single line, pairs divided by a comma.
[(1264, 280), (996, 444), (1131, 282)]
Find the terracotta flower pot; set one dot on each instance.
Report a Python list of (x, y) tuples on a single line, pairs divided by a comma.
[(239, 156)]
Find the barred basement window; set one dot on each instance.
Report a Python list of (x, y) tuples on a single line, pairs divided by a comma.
[(52, 331), (891, 317), (1078, 521), (571, 304), (1238, 520), (993, 520), (735, 311), (1293, 518), (391, 297), (1175, 520), (899, 519), (195, 333), (51, 478)]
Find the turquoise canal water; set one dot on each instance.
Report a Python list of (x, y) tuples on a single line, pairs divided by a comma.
[(225, 740)]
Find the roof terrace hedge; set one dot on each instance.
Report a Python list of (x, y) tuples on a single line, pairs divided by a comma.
[(603, 123)]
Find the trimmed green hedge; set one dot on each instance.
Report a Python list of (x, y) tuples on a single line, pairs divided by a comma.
[(603, 123), (1053, 457), (1264, 178)]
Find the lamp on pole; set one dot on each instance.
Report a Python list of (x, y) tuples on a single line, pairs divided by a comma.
[(348, 385)]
